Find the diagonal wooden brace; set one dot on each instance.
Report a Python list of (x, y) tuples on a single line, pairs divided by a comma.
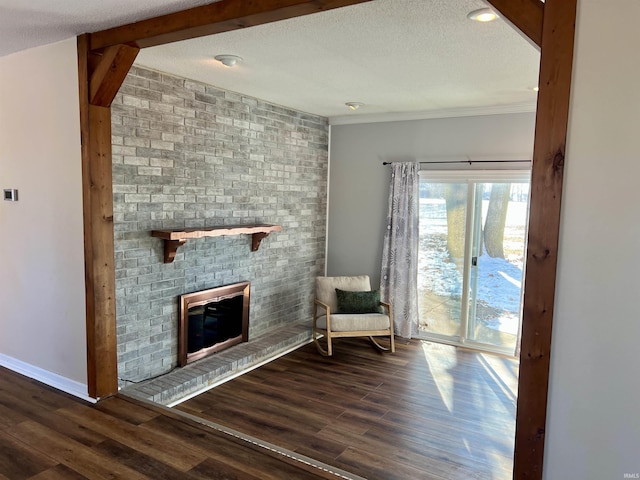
[(109, 73)]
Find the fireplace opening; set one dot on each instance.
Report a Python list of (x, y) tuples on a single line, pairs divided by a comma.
[(212, 320)]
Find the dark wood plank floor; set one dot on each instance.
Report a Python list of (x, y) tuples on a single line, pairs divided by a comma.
[(45, 434), (426, 412)]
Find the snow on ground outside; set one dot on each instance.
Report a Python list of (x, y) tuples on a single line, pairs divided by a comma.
[(499, 280)]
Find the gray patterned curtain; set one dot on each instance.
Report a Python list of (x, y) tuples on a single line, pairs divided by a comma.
[(398, 284)]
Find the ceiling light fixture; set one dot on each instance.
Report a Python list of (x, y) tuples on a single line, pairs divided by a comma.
[(482, 15), (228, 60), (354, 105)]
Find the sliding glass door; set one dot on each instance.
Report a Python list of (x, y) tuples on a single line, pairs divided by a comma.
[(471, 263)]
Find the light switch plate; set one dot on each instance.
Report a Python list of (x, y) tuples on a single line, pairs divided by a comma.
[(11, 195)]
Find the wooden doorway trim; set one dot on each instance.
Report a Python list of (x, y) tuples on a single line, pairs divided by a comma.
[(100, 77), (105, 58), (552, 115)]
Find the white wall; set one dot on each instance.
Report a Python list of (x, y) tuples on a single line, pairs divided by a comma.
[(593, 427), (42, 297), (359, 183)]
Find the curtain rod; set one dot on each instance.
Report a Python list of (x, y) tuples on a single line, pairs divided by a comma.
[(470, 162)]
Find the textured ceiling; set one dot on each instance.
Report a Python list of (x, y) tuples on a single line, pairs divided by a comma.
[(29, 23), (404, 57)]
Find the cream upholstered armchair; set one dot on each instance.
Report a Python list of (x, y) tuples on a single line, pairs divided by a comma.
[(347, 307)]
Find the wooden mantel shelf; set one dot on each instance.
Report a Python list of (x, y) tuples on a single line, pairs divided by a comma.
[(174, 238)]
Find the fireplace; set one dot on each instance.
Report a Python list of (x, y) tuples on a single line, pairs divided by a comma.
[(212, 320)]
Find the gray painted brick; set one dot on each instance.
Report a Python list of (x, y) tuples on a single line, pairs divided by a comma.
[(188, 154)]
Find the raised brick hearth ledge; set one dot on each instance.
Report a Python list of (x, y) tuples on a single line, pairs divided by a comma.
[(183, 382)]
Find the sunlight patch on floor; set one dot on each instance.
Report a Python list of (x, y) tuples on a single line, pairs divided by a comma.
[(439, 365), (504, 373)]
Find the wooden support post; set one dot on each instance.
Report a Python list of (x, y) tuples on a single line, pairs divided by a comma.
[(102, 264), (95, 124), (99, 81), (544, 224)]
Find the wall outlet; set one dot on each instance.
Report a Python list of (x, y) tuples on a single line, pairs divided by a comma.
[(11, 195)]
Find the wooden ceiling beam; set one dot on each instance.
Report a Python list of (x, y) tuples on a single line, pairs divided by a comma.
[(109, 73), (218, 17), (524, 15)]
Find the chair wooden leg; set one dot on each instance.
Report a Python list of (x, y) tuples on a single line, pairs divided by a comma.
[(379, 347), (322, 351)]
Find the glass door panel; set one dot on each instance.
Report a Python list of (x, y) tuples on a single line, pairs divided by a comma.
[(497, 264), (471, 260), (443, 218)]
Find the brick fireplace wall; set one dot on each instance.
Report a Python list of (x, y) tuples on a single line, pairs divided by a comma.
[(186, 154)]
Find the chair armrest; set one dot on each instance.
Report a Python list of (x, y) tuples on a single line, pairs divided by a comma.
[(323, 305), (317, 303), (387, 305)]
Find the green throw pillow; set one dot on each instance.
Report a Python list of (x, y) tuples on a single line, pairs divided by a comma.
[(359, 302)]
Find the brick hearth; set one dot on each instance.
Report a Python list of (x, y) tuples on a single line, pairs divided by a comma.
[(183, 382)]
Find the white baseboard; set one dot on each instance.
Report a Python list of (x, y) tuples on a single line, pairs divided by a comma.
[(54, 380)]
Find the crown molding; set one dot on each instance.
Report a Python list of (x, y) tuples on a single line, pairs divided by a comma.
[(432, 114)]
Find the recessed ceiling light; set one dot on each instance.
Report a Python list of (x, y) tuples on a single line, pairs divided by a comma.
[(482, 15), (228, 60), (354, 105)]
